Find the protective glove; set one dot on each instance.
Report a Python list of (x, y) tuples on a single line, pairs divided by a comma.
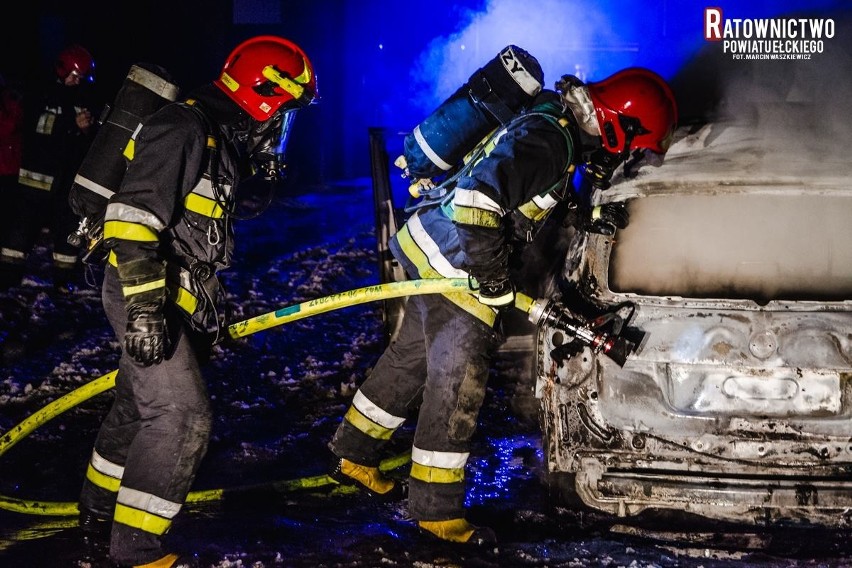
[(144, 339), (606, 218), (497, 293)]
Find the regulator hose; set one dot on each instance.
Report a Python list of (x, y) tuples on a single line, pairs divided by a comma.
[(240, 329)]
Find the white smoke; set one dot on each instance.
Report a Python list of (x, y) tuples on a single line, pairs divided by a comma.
[(566, 36), (799, 107)]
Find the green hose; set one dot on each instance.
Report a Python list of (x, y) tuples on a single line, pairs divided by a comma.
[(237, 330)]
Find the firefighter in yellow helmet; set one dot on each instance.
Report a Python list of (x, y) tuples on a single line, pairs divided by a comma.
[(169, 230)]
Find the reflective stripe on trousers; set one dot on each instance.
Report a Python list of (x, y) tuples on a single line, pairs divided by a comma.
[(151, 442), (440, 361)]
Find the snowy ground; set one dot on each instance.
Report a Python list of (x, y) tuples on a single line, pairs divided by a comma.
[(278, 396)]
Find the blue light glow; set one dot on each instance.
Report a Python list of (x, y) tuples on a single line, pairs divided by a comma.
[(489, 476), (432, 48)]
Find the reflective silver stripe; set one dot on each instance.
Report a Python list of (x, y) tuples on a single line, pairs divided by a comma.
[(430, 153), (65, 258), (204, 188), (93, 187), (477, 200), (148, 503), (438, 261), (513, 66), (185, 277), (545, 202), (153, 82), (41, 181), (444, 460), (366, 407), (106, 467), (122, 212), (12, 253)]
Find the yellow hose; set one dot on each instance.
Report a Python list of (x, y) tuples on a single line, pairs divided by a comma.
[(237, 330), (345, 299)]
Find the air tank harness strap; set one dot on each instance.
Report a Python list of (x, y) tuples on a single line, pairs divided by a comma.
[(483, 95), (442, 194)]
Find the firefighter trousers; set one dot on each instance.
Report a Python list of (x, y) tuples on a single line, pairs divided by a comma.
[(439, 363), (151, 442), (31, 211)]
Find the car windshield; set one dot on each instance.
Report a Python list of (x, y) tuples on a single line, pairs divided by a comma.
[(761, 246)]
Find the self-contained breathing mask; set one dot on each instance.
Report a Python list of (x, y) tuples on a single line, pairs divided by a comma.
[(264, 146), (597, 165)]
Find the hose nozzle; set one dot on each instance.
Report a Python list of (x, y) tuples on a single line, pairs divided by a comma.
[(553, 314)]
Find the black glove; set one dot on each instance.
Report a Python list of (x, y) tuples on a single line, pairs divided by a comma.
[(144, 339), (606, 218), (497, 293)]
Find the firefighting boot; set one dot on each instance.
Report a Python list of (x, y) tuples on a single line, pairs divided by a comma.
[(371, 479), (171, 561), (459, 530)]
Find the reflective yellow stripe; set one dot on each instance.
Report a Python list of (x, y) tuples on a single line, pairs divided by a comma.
[(532, 211), (112, 259), (415, 254), (203, 206), (141, 520), (292, 86), (146, 287), (467, 302), (102, 480), (474, 307), (366, 425), (129, 231), (477, 217), (185, 299), (436, 474), (130, 149)]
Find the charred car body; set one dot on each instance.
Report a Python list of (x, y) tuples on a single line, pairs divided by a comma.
[(737, 271)]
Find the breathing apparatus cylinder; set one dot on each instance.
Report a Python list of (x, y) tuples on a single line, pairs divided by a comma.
[(146, 88), (492, 96)]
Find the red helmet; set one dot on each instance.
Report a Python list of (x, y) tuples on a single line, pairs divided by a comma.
[(75, 59), (635, 108), (266, 72)]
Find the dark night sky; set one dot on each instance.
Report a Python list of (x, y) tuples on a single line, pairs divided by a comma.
[(191, 38), (367, 53)]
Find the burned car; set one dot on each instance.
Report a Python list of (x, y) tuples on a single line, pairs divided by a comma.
[(735, 275)]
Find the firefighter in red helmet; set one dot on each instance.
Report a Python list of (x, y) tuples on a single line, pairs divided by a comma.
[(169, 230), (59, 126), (632, 112), (75, 64), (478, 228)]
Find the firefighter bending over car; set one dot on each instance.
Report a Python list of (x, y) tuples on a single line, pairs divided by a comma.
[(440, 359), (168, 231)]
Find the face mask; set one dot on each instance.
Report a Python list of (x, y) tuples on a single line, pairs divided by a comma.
[(600, 166), (267, 142)]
